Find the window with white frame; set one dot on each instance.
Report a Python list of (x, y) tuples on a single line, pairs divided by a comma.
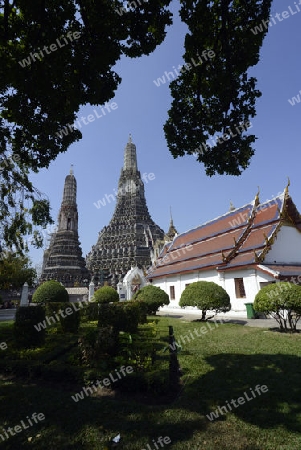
[(239, 288)]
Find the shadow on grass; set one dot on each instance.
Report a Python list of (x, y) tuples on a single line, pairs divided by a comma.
[(91, 422), (233, 375), (87, 424)]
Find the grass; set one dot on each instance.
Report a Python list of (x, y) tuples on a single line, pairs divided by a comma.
[(217, 367)]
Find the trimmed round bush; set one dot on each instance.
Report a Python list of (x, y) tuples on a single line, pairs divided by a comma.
[(106, 294), (282, 301), (28, 331), (50, 291), (153, 296), (206, 295)]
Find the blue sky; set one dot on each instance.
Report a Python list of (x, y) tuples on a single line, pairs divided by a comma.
[(182, 184)]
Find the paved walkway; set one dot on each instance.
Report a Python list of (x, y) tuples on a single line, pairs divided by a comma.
[(263, 323), (7, 314)]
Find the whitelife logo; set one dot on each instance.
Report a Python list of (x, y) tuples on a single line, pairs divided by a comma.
[(241, 401), (295, 100), (87, 119), (11, 431), (49, 49), (271, 20), (182, 68), (123, 190), (122, 10), (55, 318), (86, 391), (161, 440)]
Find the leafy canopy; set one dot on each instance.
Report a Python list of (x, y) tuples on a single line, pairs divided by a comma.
[(205, 295), (218, 95), (282, 301), (40, 97), (15, 271), (41, 91)]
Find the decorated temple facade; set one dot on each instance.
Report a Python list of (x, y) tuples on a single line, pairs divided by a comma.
[(128, 240), (63, 260), (242, 250)]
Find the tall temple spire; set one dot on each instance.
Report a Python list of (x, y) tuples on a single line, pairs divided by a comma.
[(129, 238), (63, 260), (68, 216), (130, 157)]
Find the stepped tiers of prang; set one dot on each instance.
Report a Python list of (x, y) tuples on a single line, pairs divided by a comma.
[(131, 235), (63, 260)]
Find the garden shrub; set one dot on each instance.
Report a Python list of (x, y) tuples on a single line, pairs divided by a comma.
[(89, 313), (153, 297), (282, 301), (25, 333), (64, 314), (123, 316), (96, 345), (106, 294), (50, 291), (206, 295)]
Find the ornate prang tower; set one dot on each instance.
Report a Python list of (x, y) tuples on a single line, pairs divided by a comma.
[(130, 236), (63, 260)]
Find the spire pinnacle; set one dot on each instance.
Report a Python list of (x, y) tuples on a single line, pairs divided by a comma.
[(171, 220), (71, 170), (130, 157), (232, 207)]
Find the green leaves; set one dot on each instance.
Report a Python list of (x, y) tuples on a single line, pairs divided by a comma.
[(47, 74), (214, 98), (205, 295), (15, 271)]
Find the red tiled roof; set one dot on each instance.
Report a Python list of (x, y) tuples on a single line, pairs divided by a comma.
[(282, 270), (228, 241)]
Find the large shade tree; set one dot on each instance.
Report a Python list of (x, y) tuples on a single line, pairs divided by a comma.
[(41, 90), (214, 102), (57, 55), (15, 271)]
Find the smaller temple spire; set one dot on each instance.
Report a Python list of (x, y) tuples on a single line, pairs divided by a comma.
[(172, 232), (232, 207), (171, 221)]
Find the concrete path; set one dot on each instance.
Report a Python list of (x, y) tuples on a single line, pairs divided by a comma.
[(7, 314), (260, 323)]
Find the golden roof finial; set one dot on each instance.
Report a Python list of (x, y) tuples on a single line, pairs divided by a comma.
[(257, 201), (286, 188), (232, 207)]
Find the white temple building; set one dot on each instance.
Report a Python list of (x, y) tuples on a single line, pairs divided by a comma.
[(242, 250)]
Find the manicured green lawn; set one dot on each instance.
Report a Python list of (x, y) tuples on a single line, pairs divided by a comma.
[(219, 366)]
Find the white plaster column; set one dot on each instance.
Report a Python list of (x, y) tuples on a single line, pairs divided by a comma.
[(91, 291), (24, 295)]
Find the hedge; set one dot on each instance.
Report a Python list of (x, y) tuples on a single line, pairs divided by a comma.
[(123, 316), (25, 333)]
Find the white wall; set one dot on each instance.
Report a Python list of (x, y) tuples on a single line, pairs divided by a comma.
[(251, 278), (286, 248), (179, 282)]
